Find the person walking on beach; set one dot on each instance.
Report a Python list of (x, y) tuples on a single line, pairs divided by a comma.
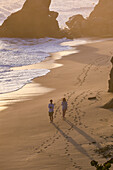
[(51, 110), (64, 107)]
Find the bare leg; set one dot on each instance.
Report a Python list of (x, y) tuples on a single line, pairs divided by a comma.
[(51, 118), (64, 111)]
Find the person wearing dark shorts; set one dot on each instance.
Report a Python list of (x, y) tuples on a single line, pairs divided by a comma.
[(51, 110)]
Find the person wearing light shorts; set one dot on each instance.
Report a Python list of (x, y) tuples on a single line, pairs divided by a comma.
[(51, 110)]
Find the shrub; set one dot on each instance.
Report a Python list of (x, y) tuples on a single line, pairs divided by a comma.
[(105, 166)]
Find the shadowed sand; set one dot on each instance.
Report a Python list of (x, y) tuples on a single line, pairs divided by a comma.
[(29, 142)]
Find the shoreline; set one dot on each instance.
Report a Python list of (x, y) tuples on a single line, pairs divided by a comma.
[(29, 141), (49, 63), (23, 93)]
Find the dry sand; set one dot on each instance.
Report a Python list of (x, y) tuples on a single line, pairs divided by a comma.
[(28, 141)]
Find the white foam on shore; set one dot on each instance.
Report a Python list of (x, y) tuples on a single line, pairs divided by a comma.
[(23, 75), (20, 58), (82, 41), (18, 77), (41, 68), (16, 52)]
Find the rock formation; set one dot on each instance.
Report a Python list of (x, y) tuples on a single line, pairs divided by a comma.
[(98, 24), (108, 105), (75, 25), (111, 78), (34, 20)]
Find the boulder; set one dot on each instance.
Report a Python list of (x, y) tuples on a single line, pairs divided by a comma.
[(75, 25), (110, 82), (98, 24), (108, 105), (34, 20)]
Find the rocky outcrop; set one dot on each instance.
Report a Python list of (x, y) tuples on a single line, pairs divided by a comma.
[(75, 25), (108, 105), (98, 24), (110, 82), (34, 20)]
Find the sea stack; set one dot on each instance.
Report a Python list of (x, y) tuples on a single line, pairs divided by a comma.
[(34, 20), (98, 24)]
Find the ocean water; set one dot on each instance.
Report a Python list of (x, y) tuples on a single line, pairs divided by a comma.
[(15, 52)]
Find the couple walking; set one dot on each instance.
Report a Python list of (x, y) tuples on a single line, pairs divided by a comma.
[(51, 109)]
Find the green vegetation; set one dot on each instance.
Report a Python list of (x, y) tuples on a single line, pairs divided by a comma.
[(105, 166), (106, 151)]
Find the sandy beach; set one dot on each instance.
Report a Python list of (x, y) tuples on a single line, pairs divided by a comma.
[(28, 141)]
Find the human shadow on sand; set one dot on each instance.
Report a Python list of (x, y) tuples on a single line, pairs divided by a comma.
[(89, 138), (73, 142)]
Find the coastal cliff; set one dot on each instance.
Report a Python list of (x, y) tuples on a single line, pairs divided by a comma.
[(98, 24), (34, 20)]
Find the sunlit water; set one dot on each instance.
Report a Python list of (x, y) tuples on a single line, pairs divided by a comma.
[(20, 52)]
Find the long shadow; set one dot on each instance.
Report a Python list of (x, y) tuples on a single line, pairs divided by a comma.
[(73, 142), (89, 138)]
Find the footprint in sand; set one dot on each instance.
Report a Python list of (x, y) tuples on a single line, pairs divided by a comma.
[(45, 147), (48, 145)]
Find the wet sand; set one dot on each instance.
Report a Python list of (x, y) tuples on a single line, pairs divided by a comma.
[(30, 142)]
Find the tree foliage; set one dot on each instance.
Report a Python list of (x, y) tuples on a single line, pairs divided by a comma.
[(105, 166)]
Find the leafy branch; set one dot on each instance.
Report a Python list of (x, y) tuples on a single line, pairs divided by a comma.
[(105, 166)]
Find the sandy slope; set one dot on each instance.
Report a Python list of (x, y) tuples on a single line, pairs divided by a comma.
[(29, 142)]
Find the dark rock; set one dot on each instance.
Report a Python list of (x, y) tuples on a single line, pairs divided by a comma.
[(110, 82), (98, 24), (75, 25), (108, 105), (34, 20), (92, 98), (76, 18), (112, 60)]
